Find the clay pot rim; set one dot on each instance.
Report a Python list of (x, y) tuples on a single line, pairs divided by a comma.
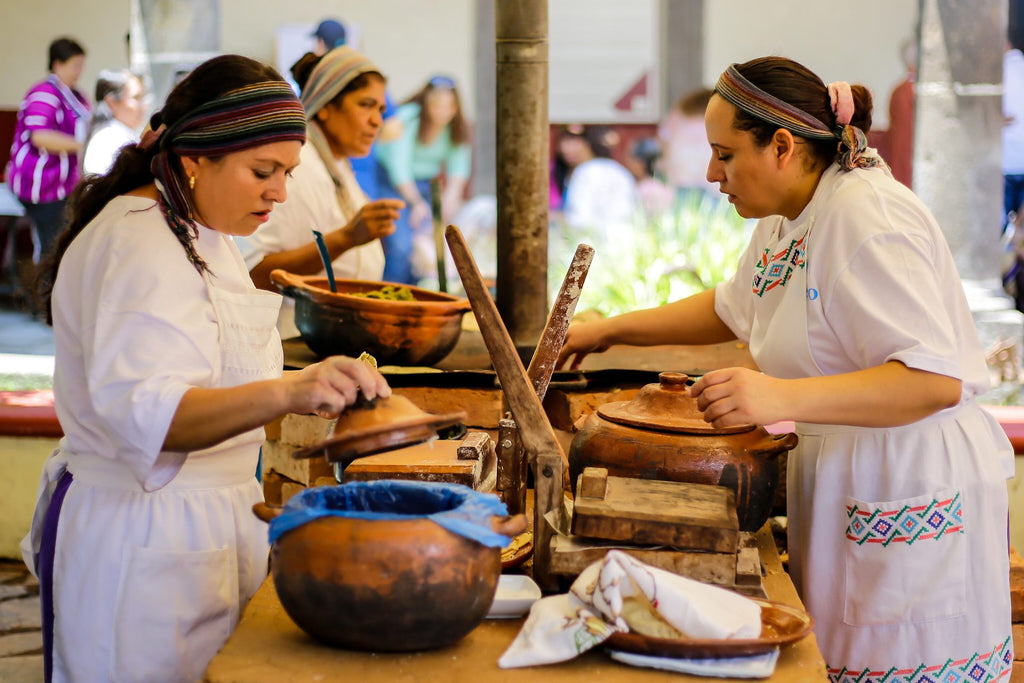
[(316, 289)]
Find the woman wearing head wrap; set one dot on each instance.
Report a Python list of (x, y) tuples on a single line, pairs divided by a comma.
[(343, 94), (852, 306), (168, 364)]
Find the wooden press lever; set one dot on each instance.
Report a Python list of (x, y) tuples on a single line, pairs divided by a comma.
[(535, 431)]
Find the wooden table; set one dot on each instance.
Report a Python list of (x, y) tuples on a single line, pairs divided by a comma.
[(268, 646)]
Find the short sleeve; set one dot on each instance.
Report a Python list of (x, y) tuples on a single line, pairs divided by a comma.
[(734, 300), (41, 109)]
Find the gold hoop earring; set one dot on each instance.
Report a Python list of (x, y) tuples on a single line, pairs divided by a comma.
[(191, 182)]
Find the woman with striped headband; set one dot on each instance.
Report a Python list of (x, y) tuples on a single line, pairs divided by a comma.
[(343, 94), (850, 301), (168, 364)]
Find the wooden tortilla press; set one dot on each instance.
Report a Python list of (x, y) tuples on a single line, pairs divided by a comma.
[(542, 448)]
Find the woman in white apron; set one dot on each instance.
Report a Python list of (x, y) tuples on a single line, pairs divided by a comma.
[(168, 364), (850, 300), (343, 94)]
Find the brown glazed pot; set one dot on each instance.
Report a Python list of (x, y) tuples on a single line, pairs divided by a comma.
[(419, 332), (385, 585), (661, 434)]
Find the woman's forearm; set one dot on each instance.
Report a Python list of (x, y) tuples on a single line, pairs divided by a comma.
[(205, 417), (304, 260), (55, 141), (688, 321)]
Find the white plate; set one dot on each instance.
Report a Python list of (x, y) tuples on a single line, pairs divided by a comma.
[(513, 597)]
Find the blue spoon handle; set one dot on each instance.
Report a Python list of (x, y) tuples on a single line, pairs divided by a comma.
[(322, 246)]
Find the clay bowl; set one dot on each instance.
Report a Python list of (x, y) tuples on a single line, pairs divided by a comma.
[(385, 585), (418, 333)]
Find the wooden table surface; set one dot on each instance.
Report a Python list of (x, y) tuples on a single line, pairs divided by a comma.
[(268, 646)]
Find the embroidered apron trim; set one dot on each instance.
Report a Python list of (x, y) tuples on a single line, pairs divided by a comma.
[(978, 668), (772, 271), (906, 525)]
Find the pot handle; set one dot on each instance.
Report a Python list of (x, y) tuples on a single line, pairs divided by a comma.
[(509, 525), (778, 444), (287, 283), (267, 512)]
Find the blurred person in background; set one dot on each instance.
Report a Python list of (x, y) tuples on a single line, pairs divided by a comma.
[(434, 141), (600, 194), (343, 94), (899, 139), (655, 197), (49, 134), (685, 145), (329, 34), (117, 118)]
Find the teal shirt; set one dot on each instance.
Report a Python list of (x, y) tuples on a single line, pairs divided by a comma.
[(406, 159)]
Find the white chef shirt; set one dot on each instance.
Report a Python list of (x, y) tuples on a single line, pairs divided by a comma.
[(104, 145), (312, 205), (134, 329), (881, 281)]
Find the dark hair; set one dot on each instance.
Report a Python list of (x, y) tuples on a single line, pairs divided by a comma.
[(302, 69), (459, 126), (695, 102), (800, 87), (63, 49), (131, 169)]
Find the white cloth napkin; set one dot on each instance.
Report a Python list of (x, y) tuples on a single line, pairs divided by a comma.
[(603, 600)]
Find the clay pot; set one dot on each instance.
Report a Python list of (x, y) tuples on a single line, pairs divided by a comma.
[(419, 332), (661, 434), (385, 585)]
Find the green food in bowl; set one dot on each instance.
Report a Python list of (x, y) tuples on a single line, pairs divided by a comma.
[(388, 292)]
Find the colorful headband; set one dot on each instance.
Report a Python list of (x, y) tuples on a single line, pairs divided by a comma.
[(743, 94), (853, 148), (250, 116), (333, 72)]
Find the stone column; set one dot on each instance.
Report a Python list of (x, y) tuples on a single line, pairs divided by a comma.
[(958, 148), (483, 124), (683, 51)]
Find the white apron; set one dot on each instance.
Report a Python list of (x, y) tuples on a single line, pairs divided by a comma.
[(149, 585), (897, 537)]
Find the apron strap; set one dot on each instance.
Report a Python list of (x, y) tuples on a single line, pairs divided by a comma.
[(44, 566)]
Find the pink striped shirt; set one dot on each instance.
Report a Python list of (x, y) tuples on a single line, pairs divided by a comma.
[(35, 175)]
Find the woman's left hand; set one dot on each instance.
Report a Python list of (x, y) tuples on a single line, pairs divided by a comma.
[(738, 396), (374, 220)]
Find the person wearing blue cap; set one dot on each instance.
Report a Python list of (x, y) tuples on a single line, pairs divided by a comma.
[(329, 34)]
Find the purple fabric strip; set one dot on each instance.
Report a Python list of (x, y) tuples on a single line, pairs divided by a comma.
[(44, 567)]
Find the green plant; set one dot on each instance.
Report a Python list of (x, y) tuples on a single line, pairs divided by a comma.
[(661, 259)]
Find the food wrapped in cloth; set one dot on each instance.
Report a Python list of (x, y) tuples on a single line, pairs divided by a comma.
[(620, 593)]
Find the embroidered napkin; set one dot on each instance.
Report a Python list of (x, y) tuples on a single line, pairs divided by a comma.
[(620, 593)]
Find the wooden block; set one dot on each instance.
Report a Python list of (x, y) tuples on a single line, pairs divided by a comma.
[(277, 457), (289, 489), (1018, 640), (647, 512), (476, 446), (1016, 571), (570, 555), (1017, 604), (305, 430), (272, 482), (325, 481), (748, 562), (593, 483), (1017, 672), (483, 406), (432, 461)]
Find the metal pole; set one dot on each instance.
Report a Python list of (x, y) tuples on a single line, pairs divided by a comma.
[(521, 71)]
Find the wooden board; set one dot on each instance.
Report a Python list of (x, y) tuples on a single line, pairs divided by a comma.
[(432, 461), (647, 512)]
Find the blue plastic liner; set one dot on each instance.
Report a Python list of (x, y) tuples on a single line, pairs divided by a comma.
[(455, 507)]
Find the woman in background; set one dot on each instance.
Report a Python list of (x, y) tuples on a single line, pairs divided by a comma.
[(50, 131), (435, 140), (116, 120), (343, 94)]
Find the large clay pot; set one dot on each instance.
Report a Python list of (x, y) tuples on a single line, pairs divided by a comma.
[(419, 332), (661, 434), (385, 585)]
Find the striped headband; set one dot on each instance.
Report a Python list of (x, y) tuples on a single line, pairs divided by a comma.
[(746, 96), (333, 72), (249, 116)]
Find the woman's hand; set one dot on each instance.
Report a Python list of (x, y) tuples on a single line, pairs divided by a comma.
[(374, 220), (582, 339), (328, 387), (420, 215), (739, 396)]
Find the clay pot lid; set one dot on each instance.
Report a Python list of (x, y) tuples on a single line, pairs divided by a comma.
[(667, 407), (383, 424)]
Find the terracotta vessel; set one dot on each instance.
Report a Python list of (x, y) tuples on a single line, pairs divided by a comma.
[(661, 434), (419, 332), (385, 585)]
